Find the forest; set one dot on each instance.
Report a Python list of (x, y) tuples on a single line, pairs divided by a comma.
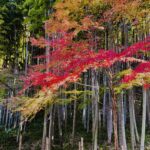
[(74, 75)]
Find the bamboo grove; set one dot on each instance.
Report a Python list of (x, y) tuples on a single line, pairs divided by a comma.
[(83, 66)]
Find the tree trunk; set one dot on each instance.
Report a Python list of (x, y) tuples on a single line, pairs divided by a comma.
[(109, 118), (123, 145), (44, 130), (143, 119), (148, 107), (60, 126), (115, 121), (20, 134), (50, 127), (114, 108), (84, 113), (132, 133), (95, 100), (74, 118), (104, 101)]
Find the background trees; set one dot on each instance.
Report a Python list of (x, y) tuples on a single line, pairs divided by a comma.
[(11, 31), (90, 56)]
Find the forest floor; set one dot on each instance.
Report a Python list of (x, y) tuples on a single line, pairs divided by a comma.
[(32, 137)]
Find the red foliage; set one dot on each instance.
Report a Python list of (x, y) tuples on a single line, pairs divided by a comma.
[(133, 49), (69, 59), (142, 68)]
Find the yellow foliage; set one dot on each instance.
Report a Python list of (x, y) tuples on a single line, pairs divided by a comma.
[(72, 15), (140, 80), (30, 106)]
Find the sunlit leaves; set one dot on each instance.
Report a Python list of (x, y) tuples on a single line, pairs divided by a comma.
[(30, 106), (140, 76), (69, 56)]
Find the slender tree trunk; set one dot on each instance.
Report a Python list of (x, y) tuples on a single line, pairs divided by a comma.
[(115, 122), (46, 141), (7, 115), (114, 108), (88, 116), (84, 113), (123, 145), (44, 130), (50, 128), (74, 118), (148, 107), (66, 115), (1, 114), (143, 119), (89, 106), (95, 100), (104, 101), (132, 133), (20, 134), (82, 145), (26, 58), (60, 127), (135, 125), (109, 118)]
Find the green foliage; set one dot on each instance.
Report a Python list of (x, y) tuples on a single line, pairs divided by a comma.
[(35, 14), (141, 79), (9, 83), (84, 103), (11, 29), (2, 94), (74, 95), (119, 88), (8, 139)]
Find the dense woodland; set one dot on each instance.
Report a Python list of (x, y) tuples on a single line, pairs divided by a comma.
[(74, 74)]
